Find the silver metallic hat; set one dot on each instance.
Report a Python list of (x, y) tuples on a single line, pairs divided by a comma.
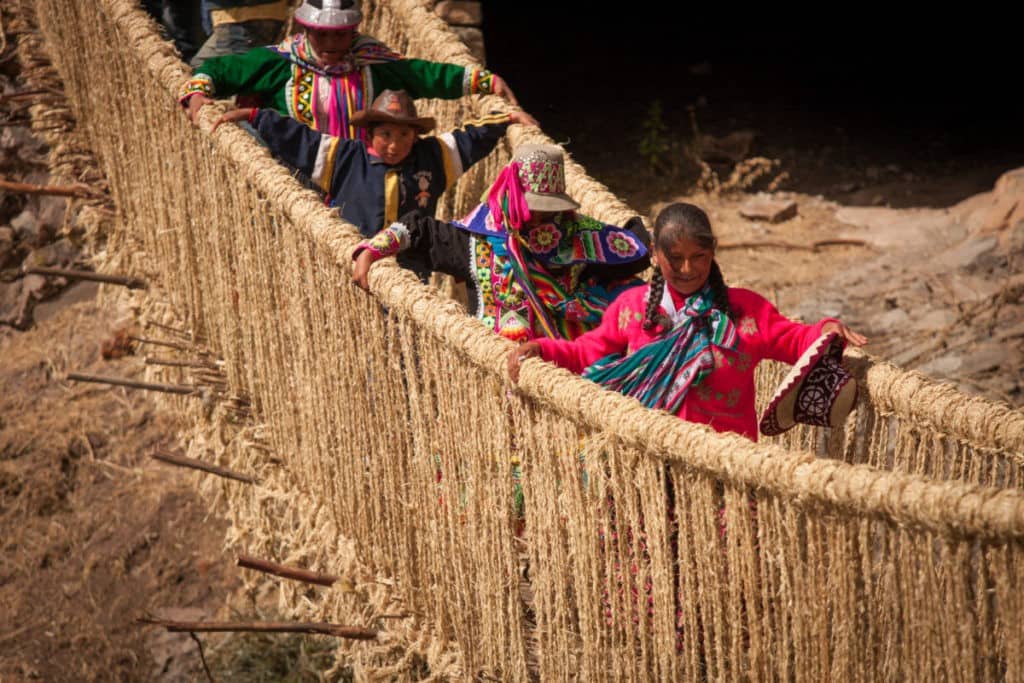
[(329, 14)]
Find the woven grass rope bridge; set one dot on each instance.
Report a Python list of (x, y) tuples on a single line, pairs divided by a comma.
[(383, 436)]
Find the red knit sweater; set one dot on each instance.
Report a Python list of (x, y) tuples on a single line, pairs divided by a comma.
[(725, 398)]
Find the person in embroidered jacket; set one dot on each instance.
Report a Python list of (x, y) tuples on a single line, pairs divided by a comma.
[(395, 172), (323, 76), (532, 264), (689, 347)]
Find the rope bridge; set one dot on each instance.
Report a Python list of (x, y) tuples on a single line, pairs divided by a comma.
[(387, 432)]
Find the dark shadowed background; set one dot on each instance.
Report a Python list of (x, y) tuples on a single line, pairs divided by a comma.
[(849, 87)]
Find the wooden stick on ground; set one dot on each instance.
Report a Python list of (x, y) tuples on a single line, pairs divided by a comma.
[(765, 243), (840, 241), (151, 360), (192, 463), (159, 342), (175, 330), (337, 630), (124, 280), (286, 572), (813, 246), (26, 93), (58, 190), (183, 389), (202, 656)]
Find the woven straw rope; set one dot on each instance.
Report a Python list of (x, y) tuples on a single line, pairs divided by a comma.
[(395, 428)]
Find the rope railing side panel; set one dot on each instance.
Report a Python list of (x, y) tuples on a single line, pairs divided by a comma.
[(642, 546), (906, 422)]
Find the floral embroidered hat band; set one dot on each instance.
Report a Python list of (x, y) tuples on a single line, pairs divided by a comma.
[(542, 176)]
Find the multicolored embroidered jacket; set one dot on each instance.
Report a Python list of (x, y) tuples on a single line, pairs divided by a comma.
[(725, 398), (577, 266), (286, 78), (368, 192)]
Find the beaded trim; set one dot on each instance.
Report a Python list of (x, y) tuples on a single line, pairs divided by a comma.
[(199, 84), (477, 82)]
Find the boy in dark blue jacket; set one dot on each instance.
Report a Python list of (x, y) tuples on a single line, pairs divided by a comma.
[(373, 183), (395, 171)]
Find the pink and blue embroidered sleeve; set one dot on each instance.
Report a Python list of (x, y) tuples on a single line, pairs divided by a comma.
[(387, 242)]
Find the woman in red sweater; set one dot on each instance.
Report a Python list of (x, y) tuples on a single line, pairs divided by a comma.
[(687, 343)]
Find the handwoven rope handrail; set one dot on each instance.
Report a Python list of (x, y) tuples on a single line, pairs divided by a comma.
[(936, 506), (399, 427), (980, 421), (942, 507)]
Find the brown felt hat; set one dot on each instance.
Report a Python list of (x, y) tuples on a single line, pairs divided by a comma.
[(394, 106)]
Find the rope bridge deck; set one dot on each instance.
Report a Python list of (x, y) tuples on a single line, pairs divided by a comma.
[(891, 549)]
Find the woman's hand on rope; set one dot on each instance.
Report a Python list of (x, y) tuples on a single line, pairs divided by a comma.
[(522, 117), (500, 88), (234, 116), (845, 332), (195, 103), (518, 355), (361, 270)]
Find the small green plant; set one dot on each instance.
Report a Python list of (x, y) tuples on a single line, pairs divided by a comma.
[(664, 154), (694, 154), (655, 146), (290, 658)]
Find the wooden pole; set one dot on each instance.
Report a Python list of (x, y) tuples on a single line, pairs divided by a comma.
[(192, 463), (286, 572), (840, 242), (202, 656), (337, 630), (26, 93), (814, 246), (150, 360), (175, 330), (123, 280), (183, 389), (158, 342), (58, 190)]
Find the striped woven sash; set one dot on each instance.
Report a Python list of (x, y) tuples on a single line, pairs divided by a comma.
[(661, 373)]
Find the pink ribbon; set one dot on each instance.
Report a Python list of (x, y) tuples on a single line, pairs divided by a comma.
[(508, 190)]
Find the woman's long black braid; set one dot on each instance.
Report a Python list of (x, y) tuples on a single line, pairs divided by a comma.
[(654, 294), (676, 221), (720, 292)]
